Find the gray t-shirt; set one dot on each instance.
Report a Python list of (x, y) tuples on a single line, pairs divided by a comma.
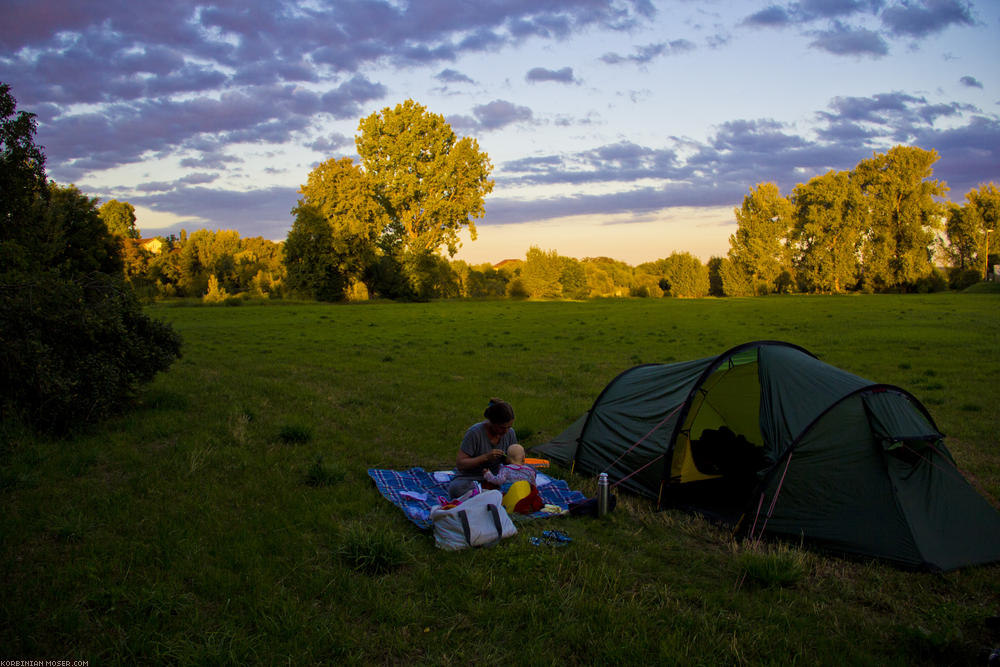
[(477, 442)]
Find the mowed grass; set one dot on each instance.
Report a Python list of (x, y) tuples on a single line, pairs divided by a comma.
[(230, 519)]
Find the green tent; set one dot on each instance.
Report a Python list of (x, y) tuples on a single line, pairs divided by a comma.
[(771, 439)]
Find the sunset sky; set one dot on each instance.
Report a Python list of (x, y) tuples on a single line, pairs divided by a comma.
[(625, 128)]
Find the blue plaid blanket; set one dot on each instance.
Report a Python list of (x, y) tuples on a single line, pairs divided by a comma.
[(416, 491)]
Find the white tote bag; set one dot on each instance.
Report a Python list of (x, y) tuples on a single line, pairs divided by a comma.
[(479, 521)]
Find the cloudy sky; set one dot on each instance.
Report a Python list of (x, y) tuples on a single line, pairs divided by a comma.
[(626, 128)]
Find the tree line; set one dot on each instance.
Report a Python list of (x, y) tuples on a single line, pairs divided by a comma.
[(879, 227), (388, 227)]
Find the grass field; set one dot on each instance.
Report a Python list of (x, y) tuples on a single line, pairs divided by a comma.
[(230, 519)]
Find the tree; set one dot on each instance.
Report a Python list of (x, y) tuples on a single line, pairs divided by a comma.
[(896, 185), (120, 219), (22, 180), (830, 220), (964, 230), (573, 278), (714, 276), (984, 205), (74, 341), (541, 273), (429, 184), (313, 270), (688, 277), (758, 254)]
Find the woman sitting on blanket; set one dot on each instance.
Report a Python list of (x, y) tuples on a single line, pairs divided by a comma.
[(484, 447)]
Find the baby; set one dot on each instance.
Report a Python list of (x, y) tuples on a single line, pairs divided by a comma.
[(514, 471)]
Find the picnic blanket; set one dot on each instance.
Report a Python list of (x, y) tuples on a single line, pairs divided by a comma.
[(416, 491)]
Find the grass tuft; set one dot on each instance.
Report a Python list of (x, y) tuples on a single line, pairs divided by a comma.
[(371, 549), (771, 565), (295, 434), (323, 474)]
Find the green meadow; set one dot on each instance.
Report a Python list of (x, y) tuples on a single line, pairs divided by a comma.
[(228, 516)]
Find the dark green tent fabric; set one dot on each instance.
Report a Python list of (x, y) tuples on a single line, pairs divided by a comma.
[(857, 467)]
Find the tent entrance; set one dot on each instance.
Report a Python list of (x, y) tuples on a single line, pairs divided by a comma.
[(719, 448)]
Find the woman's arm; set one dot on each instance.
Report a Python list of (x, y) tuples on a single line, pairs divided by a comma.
[(466, 463)]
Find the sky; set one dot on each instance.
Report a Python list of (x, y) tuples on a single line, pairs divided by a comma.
[(620, 128)]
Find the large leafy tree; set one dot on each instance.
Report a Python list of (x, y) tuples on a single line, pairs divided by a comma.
[(120, 218), (758, 252), (900, 197), (830, 220), (418, 185), (338, 234), (964, 235), (430, 184), (74, 342), (22, 181), (983, 204)]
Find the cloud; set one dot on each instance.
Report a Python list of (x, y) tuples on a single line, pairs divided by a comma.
[(744, 152), (843, 40), (920, 18), (492, 116), (971, 82), (260, 212), (119, 81), (769, 17), (828, 9), (541, 74), (452, 76), (331, 142), (642, 55)]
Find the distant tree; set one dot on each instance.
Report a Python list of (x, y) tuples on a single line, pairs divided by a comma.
[(964, 231), (714, 277), (681, 274), (541, 273), (314, 271), (900, 196), (608, 277), (830, 221), (119, 218), (735, 280), (983, 204), (339, 229), (758, 253), (573, 279), (481, 280), (429, 183)]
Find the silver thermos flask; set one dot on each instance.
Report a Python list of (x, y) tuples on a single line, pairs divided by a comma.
[(602, 494)]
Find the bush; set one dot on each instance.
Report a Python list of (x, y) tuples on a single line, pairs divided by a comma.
[(934, 281), (74, 342), (74, 350), (959, 279)]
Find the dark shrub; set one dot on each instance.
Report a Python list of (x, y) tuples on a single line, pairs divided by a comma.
[(74, 351), (959, 279)]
